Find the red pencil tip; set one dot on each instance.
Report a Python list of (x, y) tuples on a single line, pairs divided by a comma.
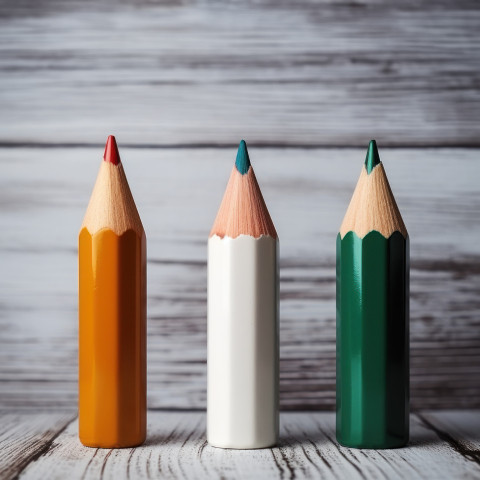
[(111, 151)]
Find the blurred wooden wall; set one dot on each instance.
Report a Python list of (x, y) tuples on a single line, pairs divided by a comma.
[(307, 84)]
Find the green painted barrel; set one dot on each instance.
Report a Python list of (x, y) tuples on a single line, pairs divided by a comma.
[(372, 340)]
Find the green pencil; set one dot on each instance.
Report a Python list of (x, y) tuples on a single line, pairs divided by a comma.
[(373, 316)]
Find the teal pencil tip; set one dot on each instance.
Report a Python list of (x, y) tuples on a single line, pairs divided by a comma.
[(372, 159), (243, 160)]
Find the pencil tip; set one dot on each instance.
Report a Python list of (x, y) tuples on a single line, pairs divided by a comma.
[(243, 160), (111, 151), (372, 159)]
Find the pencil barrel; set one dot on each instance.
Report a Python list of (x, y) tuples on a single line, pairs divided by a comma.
[(112, 338), (242, 409), (372, 340)]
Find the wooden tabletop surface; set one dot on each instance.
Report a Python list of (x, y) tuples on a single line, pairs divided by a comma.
[(307, 84), (444, 445)]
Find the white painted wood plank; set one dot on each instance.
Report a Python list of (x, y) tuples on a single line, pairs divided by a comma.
[(176, 448), (178, 192), (24, 437), (461, 424), (302, 72), (460, 429)]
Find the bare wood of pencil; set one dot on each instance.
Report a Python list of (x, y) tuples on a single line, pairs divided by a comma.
[(373, 206), (243, 210), (111, 204)]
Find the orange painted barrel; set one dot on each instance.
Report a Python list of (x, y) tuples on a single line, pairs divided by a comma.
[(112, 338)]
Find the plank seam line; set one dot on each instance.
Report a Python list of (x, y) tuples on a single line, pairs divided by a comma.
[(213, 145), (45, 448), (471, 455)]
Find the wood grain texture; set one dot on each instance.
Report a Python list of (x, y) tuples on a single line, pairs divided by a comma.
[(40, 191), (25, 437), (309, 72), (459, 429), (176, 448)]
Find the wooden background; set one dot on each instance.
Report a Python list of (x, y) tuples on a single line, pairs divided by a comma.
[(307, 84)]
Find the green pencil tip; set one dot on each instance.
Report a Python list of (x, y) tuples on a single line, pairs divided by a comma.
[(243, 160), (372, 159)]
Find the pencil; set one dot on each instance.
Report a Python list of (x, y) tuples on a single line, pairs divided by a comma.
[(112, 313), (242, 403), (373, 316)]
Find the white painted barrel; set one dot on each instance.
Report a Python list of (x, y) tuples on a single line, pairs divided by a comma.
[(243, 307)]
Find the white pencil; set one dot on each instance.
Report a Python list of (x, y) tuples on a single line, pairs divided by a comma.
[(243, 305)]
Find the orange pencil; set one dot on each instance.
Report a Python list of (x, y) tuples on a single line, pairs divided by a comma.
[(112, 313)]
